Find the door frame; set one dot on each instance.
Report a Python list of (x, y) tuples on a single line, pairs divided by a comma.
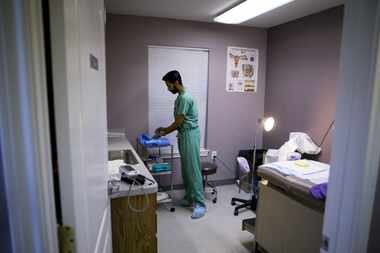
[(356, 146), (25, 129), (69, 107)]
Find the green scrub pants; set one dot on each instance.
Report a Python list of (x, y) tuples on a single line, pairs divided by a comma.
[(189, 149)]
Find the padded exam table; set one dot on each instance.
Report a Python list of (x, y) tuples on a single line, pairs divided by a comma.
[(288, 218)]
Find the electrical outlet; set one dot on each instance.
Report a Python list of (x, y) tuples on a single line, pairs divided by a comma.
[(214, 154)]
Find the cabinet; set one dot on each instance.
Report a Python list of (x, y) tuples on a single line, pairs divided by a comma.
[(134, 232), (286, 224)]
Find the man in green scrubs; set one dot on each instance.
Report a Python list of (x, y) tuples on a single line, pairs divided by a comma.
[(186, 123)]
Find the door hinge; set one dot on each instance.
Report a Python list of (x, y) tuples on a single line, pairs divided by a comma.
[(66, 239), (325, 243)]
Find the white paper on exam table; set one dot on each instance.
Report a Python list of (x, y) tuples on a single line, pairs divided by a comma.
[(315, 172)]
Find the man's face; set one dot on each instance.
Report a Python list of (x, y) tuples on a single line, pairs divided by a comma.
[(171, 87)]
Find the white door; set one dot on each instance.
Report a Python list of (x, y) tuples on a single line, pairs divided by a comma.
[(78, 54)]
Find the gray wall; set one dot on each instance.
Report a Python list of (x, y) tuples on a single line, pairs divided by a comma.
[(302, 72), (231, 116)]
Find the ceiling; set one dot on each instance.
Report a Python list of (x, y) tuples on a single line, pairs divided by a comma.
[(206, 10)]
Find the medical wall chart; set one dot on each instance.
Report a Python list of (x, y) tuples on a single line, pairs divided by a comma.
[(242, 69)]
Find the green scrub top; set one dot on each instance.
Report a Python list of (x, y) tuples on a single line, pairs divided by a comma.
[(186, 106)]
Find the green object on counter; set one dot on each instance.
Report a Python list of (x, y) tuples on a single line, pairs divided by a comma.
[(160, 167)]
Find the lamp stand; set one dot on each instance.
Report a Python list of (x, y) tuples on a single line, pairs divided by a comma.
[(251, 203), (254, 158)]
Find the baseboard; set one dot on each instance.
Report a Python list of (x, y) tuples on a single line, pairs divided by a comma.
[(214, 182)]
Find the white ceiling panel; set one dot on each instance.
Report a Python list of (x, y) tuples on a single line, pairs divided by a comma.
[(206, 10)]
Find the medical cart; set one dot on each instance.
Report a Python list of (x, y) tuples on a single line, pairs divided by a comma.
[(158, 155)]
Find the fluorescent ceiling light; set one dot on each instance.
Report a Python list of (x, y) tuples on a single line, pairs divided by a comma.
[(248, 10)]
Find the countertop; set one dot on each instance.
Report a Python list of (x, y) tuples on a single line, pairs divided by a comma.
[(121, 143)]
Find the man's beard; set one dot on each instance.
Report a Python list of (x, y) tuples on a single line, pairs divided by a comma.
[(174, 91)]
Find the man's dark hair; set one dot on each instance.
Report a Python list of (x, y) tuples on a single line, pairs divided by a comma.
[(172, 76)]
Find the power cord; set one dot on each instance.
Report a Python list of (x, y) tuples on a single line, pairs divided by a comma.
[(136, 210)]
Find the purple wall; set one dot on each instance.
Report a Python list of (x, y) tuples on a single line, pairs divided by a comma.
[(231, 116), (302, 72)]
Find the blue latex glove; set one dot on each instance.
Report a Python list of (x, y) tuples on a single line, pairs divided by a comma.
[(148, 141)]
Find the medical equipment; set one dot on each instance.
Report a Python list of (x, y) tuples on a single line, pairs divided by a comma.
[(327, 132), (266, 123), (131, 178), (128, 170), (292, 202), (136, 180), (304, 143), (300, 142), (120, 172), (159, 167), (147, 152)]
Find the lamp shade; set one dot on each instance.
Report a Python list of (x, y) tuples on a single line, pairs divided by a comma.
[(268, 123)]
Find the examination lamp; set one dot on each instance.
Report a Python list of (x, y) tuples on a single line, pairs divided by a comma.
[(268, 124), (249, 9)]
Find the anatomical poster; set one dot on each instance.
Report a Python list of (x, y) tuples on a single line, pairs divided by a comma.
[(242, 69)]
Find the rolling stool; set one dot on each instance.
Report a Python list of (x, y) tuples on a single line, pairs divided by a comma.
[(209, 168)]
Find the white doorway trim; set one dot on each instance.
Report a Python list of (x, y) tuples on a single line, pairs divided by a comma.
[(24, 132), (77, 35), (356, 150)]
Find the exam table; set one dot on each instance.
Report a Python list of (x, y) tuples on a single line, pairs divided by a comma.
[(288, 218)]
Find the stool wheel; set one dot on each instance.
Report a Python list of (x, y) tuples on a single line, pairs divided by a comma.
[(214, 200), (233, 203), (236, 212), (172, 209)]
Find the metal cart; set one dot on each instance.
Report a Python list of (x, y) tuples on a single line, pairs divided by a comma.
[(163, 197)]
